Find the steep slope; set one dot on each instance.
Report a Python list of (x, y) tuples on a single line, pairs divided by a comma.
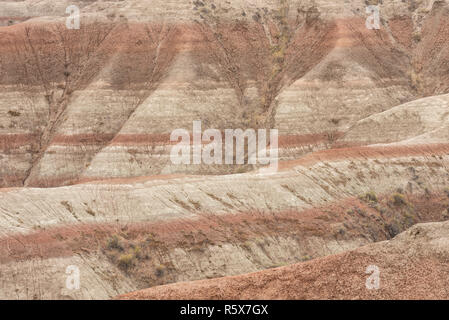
[(114, 119), (413, 265), (155, 230), (424, 120)]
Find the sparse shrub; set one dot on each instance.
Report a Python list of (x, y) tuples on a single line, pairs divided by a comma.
[(260, 242), (392, 229), (335, 121), (137, 252), (341, 231), (305, 257), (410, 219), (150, 239), (399, 199), (160, 270), (369, 197), (126, 261), (247, 245), (445, 214), (13, 113), (359, 211), (90, 211), (417, 36), (196, 204), (114, 243), (446, 191), (198, 3), (67, 205)]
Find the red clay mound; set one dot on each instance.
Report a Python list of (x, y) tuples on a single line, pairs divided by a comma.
[(411, 266)]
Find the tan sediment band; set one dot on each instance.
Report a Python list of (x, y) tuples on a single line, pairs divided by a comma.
[(65, 240)]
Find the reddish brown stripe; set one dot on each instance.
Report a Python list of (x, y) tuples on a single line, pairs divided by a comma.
[(65, 240), (367, 152), (286, 141), (16, 140), (83, 139)]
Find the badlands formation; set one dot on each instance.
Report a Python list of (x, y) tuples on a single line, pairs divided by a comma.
[(87, 184)]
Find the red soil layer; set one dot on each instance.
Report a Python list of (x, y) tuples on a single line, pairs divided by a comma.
[(368, 152), (372, 50), (143, 139), (83, 139), (54, 182), (11, 180), (151, 139), (338, 154), (16, 140), (164, 139), (286, 141), (65, 240), (188, 37)]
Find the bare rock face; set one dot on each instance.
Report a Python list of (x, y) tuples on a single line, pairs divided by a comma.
[(86, 178)]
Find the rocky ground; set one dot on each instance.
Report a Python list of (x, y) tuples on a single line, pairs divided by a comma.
[(86, 179)]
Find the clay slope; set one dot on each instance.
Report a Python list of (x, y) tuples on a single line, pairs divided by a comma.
[(413, 265), (85, 123), (128, 235), (420, 121), (97, 113)]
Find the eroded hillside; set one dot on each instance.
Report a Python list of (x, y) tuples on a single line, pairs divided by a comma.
[(87, 180), (159, 231), (101, 101), (412, 266)]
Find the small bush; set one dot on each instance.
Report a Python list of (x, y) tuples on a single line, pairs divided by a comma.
[(260, 242), (67, 205), (399, 199), (13, 113), (335, 121), (137, 252), (446, 191), (196, 204), (90, 211), (247, 245), (445, 214), (160, 270), (369, 197), (392, 229), (305, 257), (417, 36), (126, 261), (114, 243)]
